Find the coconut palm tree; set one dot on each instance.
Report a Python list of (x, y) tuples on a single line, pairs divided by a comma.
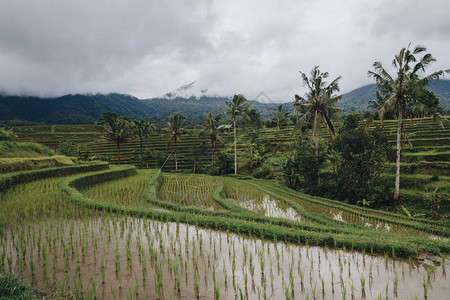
[(209, 129), (280, 116), (176, 127), (143, 129), (402, 87), (118, 130), (318, 105), (238, 106)]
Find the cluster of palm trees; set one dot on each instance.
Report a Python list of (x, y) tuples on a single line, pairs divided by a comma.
[(119, 129), (317, 108), (396, 94)]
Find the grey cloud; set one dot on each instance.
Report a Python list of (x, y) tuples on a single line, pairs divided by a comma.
[(148, 48)]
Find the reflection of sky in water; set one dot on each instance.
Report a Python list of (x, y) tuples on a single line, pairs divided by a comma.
[(379, 226), (271, 208)]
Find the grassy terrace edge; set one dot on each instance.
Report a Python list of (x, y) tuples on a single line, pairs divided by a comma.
[(394, 244), (437, 228), (9, 180)]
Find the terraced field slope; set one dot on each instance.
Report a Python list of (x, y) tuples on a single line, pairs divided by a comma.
[(127, 233)]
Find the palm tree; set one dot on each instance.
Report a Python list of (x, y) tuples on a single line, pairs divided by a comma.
[(210, 130), (280, 116), (401, 89), (143, 129), (118, 130), (176, 127), (318, 105), (238, 106)]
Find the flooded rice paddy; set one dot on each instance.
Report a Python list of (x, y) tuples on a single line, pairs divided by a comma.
[(118, 257), (62, 249)]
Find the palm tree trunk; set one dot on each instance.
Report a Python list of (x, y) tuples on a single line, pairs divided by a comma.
[(142, 150), (399, 148), (176, 160), (235, 149), (317, 165), (118, 152), (212, 157)]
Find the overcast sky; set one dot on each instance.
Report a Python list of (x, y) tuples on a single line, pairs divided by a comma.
[(148, 48)]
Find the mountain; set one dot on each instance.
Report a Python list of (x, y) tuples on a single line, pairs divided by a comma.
[(358, 98), (189, 100), (70, 109), (85, 109), (187, 91)]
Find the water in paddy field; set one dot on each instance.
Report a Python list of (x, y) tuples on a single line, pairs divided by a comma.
[(145, 259), (271, 208)]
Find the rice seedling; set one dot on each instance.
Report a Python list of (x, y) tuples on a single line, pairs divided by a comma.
[(83, 233)]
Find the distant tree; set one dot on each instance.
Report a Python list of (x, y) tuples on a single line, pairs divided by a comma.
[(6, 134), (281, 117), (118, 131), (210, 130), (107, 117), (401, 88), (176, 127), (238, 106), (68, 148), (426, 104), (362, 157), (317, 105), (143, 129)]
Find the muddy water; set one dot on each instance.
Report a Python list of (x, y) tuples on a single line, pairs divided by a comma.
[(67, 255)]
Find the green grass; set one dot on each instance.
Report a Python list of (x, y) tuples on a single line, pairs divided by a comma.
[(15, 164), (12, 288), (27, 149)]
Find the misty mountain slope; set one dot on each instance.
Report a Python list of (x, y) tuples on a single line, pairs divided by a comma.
[(358, 98), (85, 109)]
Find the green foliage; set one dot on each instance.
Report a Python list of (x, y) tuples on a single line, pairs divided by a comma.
[(27, 149), (118, 129), (16, 178), (364, 156), (350, 121), (21, 164), (318, 105), (176, 127), (155, 156), (209, 129), (6, 134), (68, 148), (303, 170), (12, 288), (281, 116), (224, 164), (143, 129)]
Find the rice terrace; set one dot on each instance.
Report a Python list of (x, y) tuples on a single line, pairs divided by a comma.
[(204, 193)]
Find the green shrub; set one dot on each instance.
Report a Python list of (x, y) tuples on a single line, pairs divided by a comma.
[(12, 288), (6, 134), (15, 178), (15, 164), (68, 148), (27, 149)]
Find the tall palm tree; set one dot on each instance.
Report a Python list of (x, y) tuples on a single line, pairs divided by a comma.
[(318, 105), (238, 106), (401, 88), (118, 130), (280, 116), (210, 130), (143, 129), (176, 127)]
